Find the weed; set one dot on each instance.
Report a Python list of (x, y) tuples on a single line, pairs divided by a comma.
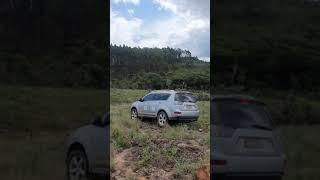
[(119, 140)]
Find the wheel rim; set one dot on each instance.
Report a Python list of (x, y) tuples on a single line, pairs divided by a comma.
[(162, 118), (77, 168), (134, 114)]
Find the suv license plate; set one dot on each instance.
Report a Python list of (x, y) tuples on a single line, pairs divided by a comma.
[(253, 143)]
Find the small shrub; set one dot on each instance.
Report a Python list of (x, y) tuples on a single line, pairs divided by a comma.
[(170, 152), (119, 140), (147, 156), (184, 168)]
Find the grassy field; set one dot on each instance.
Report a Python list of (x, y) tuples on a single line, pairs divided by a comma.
[(34, 124), (303, 152), (176, 150)]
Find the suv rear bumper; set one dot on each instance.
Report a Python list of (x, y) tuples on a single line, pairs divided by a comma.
[(247, 176), (249, 166), (184, 118)]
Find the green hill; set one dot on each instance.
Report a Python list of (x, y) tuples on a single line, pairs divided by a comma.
[(157, 68)]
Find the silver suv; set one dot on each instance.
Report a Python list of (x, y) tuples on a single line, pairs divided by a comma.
[(166, 105), (244, 141), (87, 151)]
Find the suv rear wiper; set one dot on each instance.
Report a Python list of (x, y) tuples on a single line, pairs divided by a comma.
[(261, 127)]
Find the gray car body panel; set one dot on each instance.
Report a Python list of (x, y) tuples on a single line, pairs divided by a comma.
[(267, 161), (94, 141), (152, 108)]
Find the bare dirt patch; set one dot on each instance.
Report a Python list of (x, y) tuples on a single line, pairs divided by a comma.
[(164, 154), (123, 164)]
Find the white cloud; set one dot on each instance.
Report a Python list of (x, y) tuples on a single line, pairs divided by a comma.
[(122, 30), (186, 8), (131, 11), (189, 28), (207, 59), (164, 4), (135, 2)]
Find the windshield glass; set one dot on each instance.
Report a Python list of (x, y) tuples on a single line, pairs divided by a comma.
[(161, 96), (243, 115), (184, 97)]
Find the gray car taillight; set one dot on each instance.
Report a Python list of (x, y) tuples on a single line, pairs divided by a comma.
[(223, 131), (178, 103)]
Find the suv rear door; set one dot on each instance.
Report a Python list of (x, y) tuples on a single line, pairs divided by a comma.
[(245, 128), (185, 101)]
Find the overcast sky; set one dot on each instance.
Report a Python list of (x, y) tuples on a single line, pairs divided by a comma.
[(181, 24)]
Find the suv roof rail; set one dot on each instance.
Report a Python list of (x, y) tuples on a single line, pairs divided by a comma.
[(162, 90), (232, 96), (181, 89), (236, 97)]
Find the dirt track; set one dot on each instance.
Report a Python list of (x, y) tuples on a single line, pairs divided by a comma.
[(125, 163)]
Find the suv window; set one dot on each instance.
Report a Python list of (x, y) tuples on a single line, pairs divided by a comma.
[(184, 97), (242, 115), (161, 96)]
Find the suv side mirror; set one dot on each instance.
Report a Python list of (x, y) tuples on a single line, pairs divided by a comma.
[(97, 121), (141, 100), (106, 119)]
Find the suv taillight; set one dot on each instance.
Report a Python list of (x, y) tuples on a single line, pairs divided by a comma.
[(219, 162), (285, 167), (178, 103), (223, 131)]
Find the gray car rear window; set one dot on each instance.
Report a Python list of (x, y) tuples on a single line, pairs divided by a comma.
[(184, 97), (239, 115)]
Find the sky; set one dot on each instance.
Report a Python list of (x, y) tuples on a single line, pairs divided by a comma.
[(183, 24)]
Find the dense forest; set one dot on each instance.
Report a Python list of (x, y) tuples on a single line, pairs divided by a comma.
[(271, 44), (54, 43), (157, 68), (270, 50)]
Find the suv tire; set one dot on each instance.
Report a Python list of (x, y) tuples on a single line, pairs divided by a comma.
[(134, 114), (77, 165), (162, 119)]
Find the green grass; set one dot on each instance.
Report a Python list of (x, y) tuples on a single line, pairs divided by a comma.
[(52, 113), (49, 109), (41, 157), (49, 114), (126, 95), (131, 95), (125, 131), (302, 148)]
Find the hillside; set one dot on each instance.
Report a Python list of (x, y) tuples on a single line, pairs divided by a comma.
[(157, 68)]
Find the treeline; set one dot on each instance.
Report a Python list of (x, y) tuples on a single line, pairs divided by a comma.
[(270, 50), (270, 44), (157, 68), (54, 43)]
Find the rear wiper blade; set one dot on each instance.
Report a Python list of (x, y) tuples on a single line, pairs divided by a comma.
[(261, 127)]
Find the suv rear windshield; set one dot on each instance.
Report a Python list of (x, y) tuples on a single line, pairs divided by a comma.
[(185, 97), (243, 115)]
